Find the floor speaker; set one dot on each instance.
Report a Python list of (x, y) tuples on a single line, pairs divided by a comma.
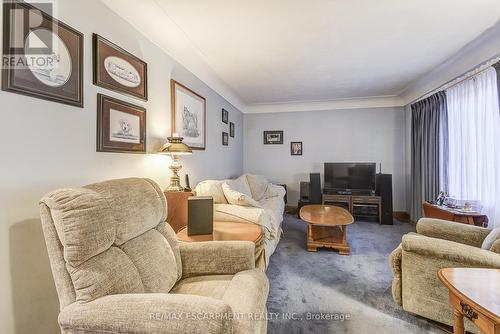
[(384, 190), (304, 191), (315, 188)]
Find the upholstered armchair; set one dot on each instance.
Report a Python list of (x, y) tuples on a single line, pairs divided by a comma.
[(437, 244), (118, 267)]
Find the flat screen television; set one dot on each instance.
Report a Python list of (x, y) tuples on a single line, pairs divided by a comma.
[(349, 177)]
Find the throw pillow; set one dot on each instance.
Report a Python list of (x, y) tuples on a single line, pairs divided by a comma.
[(238, 198), (240, 185), (491, 238), (258, 186)]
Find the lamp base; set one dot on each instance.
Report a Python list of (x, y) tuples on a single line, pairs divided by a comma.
[(175, 188)]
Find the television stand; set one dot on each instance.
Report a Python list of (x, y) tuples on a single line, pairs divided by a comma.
[(364, 206)]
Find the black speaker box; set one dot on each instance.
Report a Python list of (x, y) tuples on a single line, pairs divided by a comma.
[(200, 215), (304, 191), (384, 190), (315, 188)]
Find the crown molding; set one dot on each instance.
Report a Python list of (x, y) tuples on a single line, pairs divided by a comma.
[(352, 103), (173, 41)]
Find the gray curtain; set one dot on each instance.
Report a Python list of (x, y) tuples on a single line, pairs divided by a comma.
[(497, 68), (429, 150)]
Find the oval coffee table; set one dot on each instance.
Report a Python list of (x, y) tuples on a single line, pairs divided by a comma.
[(327, 227)]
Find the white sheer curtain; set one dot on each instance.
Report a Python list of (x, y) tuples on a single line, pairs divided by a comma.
[(474, 142)]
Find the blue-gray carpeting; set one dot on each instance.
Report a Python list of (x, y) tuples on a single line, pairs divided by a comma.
[(353, 291)]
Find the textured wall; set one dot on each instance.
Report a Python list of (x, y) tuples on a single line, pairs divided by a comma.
[(48, 145), (359, 135)]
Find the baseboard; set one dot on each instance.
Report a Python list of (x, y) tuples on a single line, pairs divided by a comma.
[(402, 216)]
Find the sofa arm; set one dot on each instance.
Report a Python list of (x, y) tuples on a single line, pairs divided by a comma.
[(147, 313), (395, 262), (216, 257), (449, 251), (462, 233)]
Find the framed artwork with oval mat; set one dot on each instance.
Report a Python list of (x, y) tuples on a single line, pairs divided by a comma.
[(43, 57), (119, 70)]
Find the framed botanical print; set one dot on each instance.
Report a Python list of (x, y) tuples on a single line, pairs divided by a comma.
[(225, 139), (119, 70), (225, 116), (231, 129), (296, 148), (121, 126), (43, 57), (274, 137), (189, 115)]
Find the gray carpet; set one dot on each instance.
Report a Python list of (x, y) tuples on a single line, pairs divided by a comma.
[(326, 283)]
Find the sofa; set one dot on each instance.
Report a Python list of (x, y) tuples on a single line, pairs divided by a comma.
[(118, 267), (268, 213), (437, 244)]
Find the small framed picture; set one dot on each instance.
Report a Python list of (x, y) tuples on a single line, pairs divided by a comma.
[(225, 139), (121, 126), (231, 129), (225, 116), (274, 137), (296, 148), (119, 70)]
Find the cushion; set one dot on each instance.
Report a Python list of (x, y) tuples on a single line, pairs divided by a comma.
[(274, 190), (258, 185), (240, 185), (114, 238), (213, 286), (491, 238), (238, 198), (212, 188)]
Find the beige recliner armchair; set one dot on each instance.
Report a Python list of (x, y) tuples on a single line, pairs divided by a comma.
[(118, 267), (437, 244)]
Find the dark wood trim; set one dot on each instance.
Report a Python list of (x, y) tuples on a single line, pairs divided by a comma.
[(97, 65), (173, 83), (101, 99)]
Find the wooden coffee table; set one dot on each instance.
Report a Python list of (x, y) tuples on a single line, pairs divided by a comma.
[(327, 227), (474, 294)]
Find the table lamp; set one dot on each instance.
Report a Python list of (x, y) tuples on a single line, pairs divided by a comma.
[(174, 148)]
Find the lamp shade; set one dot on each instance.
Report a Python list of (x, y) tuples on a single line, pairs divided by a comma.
[(174, 146)]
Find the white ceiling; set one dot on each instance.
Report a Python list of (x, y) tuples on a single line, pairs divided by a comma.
[(284, 51)]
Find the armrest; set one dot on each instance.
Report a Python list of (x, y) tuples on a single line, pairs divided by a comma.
[(216, 257), (450, 251), (462, 233), (147, 313), (395, 262)]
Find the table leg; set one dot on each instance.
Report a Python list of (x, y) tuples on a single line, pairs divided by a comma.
[(310, 239), (458, 325)]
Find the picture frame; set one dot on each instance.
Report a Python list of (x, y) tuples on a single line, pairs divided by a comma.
[(48, 62), (231, 129), (121, 126), (118, 70), (296, 148), (225, 116), (273, 137), (225, 139), (189, 115)]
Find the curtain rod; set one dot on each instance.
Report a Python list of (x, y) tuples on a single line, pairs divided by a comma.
[(461, 78)]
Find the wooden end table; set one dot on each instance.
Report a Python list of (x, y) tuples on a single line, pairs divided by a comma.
[(231, 231), (177, 206), (327, 227), (474, 294)]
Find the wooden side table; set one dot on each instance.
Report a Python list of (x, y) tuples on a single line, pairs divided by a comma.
[(231, 231), (177, 206), (474, 294)]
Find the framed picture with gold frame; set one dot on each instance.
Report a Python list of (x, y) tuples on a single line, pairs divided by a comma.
[(189, 115)]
